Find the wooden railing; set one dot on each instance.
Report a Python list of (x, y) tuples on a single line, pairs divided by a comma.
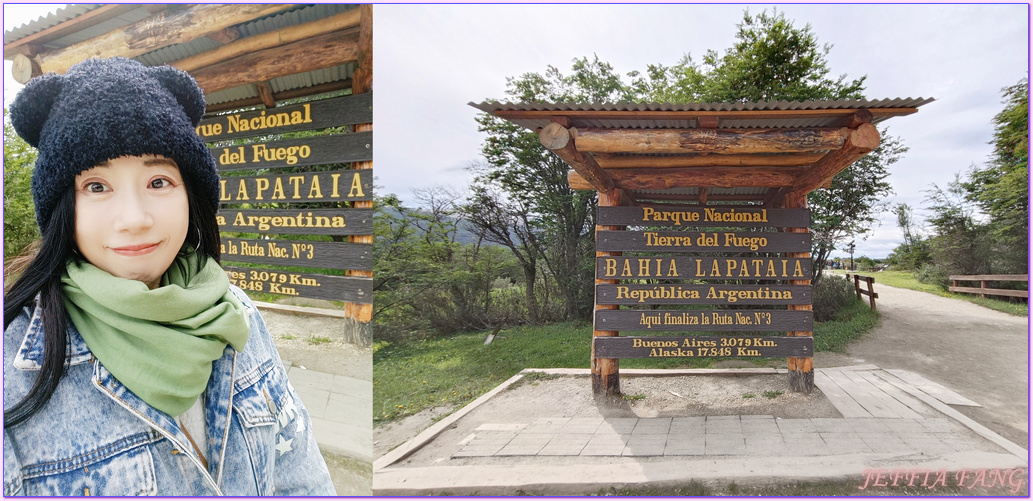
[(870, 281), (983, 290)]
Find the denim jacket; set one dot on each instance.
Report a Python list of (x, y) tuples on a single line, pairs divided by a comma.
[(95, 437)]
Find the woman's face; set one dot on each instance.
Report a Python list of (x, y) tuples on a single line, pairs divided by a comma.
[(131, 216)]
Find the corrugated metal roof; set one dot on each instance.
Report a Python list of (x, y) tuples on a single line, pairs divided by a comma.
[(53, 19), (581, 114)]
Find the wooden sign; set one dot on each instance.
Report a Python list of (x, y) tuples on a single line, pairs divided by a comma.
[(643, 294), (290, 283), (739, 217), (332, 255), (304, 187), (686, 241), (690, 268), (702, 346), (317, 150), (297, 221), (347, 110), (703, 320)]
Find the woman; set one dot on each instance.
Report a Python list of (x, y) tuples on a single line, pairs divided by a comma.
[(131, 366)]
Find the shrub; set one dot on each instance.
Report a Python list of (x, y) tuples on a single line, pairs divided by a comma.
[(933, 274), (831, 294)]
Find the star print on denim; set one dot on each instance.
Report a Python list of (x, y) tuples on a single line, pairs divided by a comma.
[(283, 446)]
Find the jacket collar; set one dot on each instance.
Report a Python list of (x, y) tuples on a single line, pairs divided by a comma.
[(30, 355)]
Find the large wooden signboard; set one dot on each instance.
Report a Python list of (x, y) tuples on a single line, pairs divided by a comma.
[(263, 203), (655, 288)]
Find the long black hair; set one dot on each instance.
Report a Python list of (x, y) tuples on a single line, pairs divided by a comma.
[(43, 277)]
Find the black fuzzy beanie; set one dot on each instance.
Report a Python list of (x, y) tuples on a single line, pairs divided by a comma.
[(103, 109)]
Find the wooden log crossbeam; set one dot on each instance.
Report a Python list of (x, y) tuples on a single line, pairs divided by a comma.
[(717, 177), (724, 141), (323, 51), (859, 143), (345, 20), (161, 30), (558, 139), (713, 160)]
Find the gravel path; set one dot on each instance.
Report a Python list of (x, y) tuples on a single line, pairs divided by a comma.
[(977, 352)]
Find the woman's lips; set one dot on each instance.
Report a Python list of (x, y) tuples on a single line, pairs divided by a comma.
[(135, 250)]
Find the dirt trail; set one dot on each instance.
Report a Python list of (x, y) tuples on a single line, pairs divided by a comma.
[(977, 352)]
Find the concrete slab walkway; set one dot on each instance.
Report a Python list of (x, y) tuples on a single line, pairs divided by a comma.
[(341, 408), (583, 454)]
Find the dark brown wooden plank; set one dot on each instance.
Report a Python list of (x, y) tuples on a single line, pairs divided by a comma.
[(738, 217), (643, 294), (347, 110), (692, 268), (310, 285), (703, 320), (297, 221), (691, 241), (703, 346), (992, 292), (991, 278), (303, 187), (317, 150), (332, 255)]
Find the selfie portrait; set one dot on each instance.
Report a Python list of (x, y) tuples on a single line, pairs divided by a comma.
[(187, 262)]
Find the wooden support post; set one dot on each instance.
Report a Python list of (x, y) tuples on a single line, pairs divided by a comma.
[(606, 371), (362, 82), (801, 369)]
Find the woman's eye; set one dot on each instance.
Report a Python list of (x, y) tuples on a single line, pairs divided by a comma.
[(95, 187), (160, 183)]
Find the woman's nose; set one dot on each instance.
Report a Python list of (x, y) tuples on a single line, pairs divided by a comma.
[(133, 214)]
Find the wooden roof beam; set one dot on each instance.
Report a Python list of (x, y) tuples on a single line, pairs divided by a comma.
[(315, 53), (711, 197), (860, 142), (714, 160), (559, 140), (720, 177), (161, 30), (345, 20), (725, 141), (280, 96)]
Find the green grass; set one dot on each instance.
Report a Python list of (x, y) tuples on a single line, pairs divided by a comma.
[(454, 370), (907, 280)]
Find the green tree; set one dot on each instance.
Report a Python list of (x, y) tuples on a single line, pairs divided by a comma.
[(913, 252), (1001, 189), (771, 60), (559, 221), (960, 244), (774, 60), (19, 213)]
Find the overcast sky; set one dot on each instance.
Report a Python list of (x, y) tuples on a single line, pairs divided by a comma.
[(429, 61)]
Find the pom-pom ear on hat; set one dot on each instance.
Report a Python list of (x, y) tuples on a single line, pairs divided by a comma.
[(184, 88), (32, 106)]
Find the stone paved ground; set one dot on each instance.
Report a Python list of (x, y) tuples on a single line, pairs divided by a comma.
[(719, 436)]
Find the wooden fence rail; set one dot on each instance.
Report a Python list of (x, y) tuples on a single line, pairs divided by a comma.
[(870, 281), (983, 290)]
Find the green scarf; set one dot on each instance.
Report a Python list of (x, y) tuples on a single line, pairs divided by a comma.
[(159, 343)]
